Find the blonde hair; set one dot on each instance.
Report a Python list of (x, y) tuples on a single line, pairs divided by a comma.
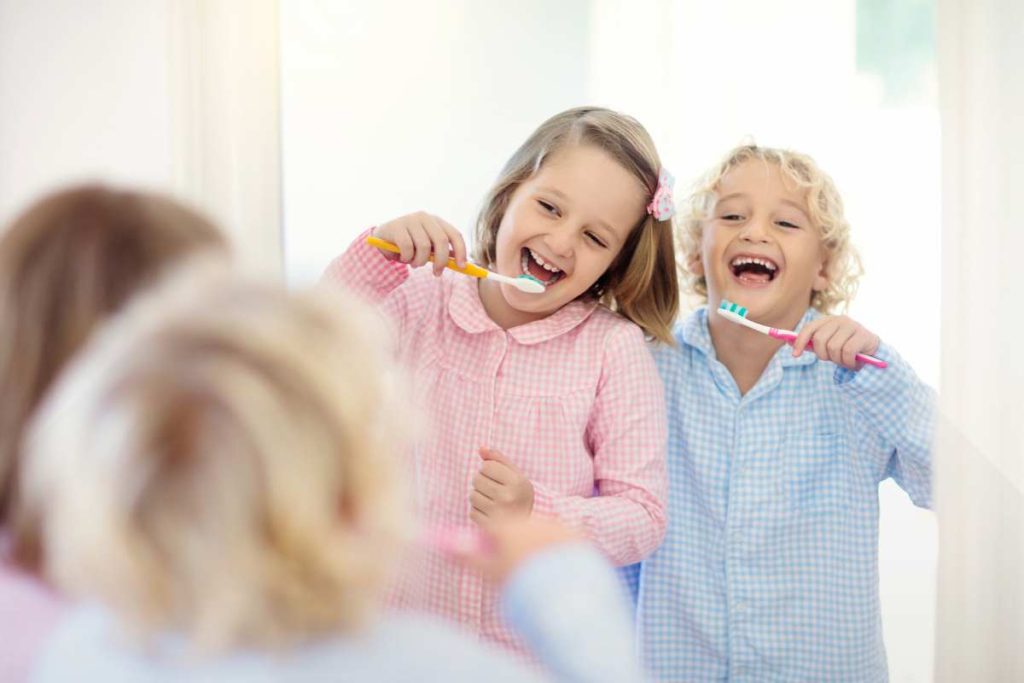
[(824, 206), (217, 463), (641, 284), (67, 263)]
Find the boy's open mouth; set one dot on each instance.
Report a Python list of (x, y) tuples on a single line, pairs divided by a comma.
[(535, 266), (754, 269)]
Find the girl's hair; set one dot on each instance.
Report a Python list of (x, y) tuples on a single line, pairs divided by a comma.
[(824, 206), (641, 284), (218, 462), (66, 264)]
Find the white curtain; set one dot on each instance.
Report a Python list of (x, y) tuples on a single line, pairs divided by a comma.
[(225, 124), (980, 462)]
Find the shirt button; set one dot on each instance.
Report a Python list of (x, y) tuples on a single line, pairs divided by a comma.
[(739, 607)]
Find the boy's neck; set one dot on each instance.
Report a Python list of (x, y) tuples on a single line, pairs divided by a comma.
[(744, 352)]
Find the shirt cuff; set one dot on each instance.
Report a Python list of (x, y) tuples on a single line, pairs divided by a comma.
[(568, 605)]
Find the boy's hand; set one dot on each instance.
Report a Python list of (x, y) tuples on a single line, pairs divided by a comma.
[(499, 489), (837, 338), (510, 541), (421, 238)]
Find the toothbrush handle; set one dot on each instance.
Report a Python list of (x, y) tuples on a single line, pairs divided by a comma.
[(456, 541), (470, 269), (789, 338)]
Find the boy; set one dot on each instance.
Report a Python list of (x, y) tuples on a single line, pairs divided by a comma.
[(769, 567)]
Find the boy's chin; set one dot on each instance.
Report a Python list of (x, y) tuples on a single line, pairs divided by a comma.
[(767, 308)]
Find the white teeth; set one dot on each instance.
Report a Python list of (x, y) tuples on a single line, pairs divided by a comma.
[(540, 261), (743, 260)]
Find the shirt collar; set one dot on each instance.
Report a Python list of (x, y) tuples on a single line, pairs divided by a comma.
[(467, 310), (695, 333)]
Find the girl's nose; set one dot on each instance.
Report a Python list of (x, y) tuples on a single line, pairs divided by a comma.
[(561, 240)]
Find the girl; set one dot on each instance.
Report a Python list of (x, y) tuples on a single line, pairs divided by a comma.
[(544, 403), (66, 264), (216, 480), (769, 567)]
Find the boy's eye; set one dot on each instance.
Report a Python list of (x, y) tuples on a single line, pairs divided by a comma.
[(787, 224), (548, 206), (595, 239), (732, 217)]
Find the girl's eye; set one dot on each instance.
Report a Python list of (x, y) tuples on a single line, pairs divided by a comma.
[(732, 217), (548, 206), (787, 224), (595, 239)]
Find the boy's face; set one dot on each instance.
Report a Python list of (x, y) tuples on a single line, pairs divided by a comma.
[(760, 248), (564, 226)]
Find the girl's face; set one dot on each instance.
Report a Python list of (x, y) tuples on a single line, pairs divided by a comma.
[(760, 248), (565, 226)]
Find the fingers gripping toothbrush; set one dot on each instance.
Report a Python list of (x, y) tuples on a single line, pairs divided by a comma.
[(525, 283), (738, 315)]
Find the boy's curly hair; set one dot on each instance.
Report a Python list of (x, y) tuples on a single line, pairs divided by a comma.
[(824, 207)]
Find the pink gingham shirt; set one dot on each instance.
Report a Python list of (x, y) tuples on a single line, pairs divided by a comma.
[(29, 614), (574, 400)]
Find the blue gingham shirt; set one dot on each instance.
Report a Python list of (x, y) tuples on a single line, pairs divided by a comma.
[(769, 568)]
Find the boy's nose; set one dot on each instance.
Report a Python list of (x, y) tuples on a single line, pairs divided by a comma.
[(755, 231)]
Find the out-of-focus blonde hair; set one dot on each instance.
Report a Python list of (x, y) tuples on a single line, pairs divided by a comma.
[(68, 263), (218, 462), (641, 284), (824, 208)]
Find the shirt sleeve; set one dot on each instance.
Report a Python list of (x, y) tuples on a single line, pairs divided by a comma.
[(899, 411), (568, 605), (627, 436), (630, 578), (366, 271)]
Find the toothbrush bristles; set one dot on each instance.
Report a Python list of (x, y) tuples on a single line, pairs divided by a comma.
[(727, 305), (530, 284)]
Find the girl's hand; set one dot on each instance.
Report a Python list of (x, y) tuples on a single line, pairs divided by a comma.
[(499, 489), (838, 339), (508, 542), (421, 237)]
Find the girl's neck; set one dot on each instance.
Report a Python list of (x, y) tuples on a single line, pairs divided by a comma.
[(498, 309), (744, 352)]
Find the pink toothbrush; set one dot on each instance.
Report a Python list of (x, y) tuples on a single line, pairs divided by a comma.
[(456, 541), (738, 314)]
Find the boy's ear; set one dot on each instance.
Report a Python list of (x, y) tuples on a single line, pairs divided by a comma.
[(695, 263), (822, 278)]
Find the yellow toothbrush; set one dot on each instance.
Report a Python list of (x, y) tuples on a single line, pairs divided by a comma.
[(525, 283)]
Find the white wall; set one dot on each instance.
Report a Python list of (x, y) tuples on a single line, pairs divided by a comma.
[(179, 96), (83, 94), (384, 117), (980, 497)]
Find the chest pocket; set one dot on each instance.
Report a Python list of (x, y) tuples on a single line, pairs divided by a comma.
[(818, 472)]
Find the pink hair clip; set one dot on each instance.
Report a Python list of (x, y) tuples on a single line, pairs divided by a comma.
[(662, 207)]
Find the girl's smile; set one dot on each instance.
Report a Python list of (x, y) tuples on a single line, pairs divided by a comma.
[(565, 226), (542, 269)]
